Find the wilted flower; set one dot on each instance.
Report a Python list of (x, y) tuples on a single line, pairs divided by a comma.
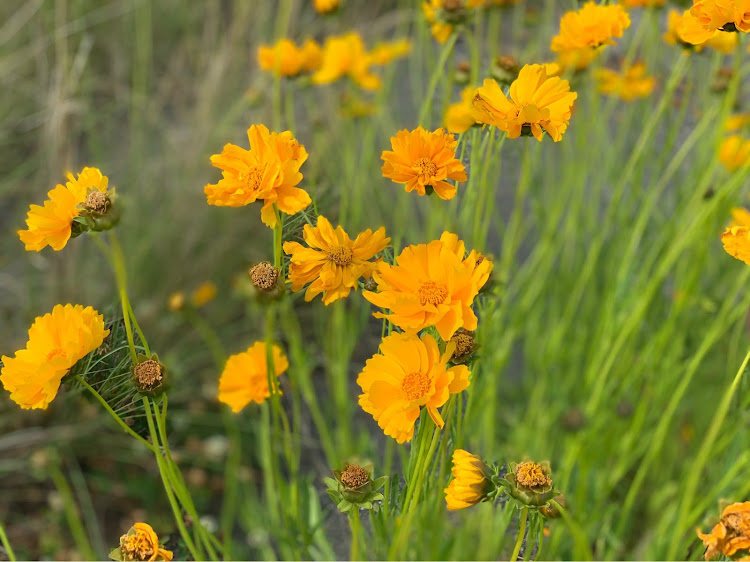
[(730, 537), (245, 376), (354, 487), (530, 483), (286, 59), (629, 84), (472, 481), (140, 543)]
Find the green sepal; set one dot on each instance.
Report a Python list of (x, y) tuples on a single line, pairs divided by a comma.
[(115, 554), (378, 483), (344, 506)]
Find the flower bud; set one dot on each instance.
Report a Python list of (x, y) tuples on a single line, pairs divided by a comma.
[(149, 375), (354, 486)]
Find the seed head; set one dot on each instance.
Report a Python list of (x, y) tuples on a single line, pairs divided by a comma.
[(264, 276)]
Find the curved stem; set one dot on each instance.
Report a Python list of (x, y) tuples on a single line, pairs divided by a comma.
[(521, 534), (6, 544)]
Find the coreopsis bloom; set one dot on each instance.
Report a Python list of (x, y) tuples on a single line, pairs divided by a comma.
[(245, 376), (459, 116), (585, 31), (629, 84), (737, 121), (730, 537), (686, 31), (726, 15), (52, 224), (537, 102), (734, 152), (471, 481), (204, 294), (431, 285), (286, 59), (736, 241), (325, 6), (57, 341), (332, 263), (408, 373), (740, 217), (422, 159), (268, 171), (140, 543)]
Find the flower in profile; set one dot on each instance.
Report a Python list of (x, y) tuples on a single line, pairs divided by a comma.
[(326, 6), (421, 159), (286, 59), (53, 224), (245, 376), (726, 15), (734, 152), (537, 102), (268, 171), (140, 543), (736, 241), (204, 294), (471, 482), (430, 285), (730, 537), (629, 84), (57, 341), (408, 373), (687, 31), (459, 116), (530, 483), (332, 262)]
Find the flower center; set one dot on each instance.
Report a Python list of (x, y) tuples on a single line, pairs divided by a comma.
[(148, 374), (531, 475), (55, 353), (426, 168), (416, 385), (432, 293), (340, 255), (464, 343), (264, 276), (354, 476), (252, 179), (137, 547), (96, 201)]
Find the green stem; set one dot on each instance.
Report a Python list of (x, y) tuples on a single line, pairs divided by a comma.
[(71, 513), (278, 232), (437, 73), (118, 264), (356, 530), (521, 534), (6, 544)]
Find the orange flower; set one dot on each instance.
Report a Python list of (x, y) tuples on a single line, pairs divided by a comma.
[(687, 31), (140, 543), (736, 241), (731, 536), (245, 376), (734, 152), (471, 481), (268, 171), (629, 84), (740, 217), (422, 159), (431, 285), (332, 263), (536, 102), (459, 116), (727, 15), (286, 59), (408, 373)]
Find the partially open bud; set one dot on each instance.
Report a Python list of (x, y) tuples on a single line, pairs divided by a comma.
[(473, 481), (149, 375), (266, 280), (98, 211), (354, 486), (140, 543), (530, 483)]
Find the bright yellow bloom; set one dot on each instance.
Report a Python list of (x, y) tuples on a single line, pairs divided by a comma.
[(332, 263), (642, 3), (57, 341), (471, 481), (629, 84), (736, 241), (736, 121), (734, 152), (687, 31), (459, 116), (408, 373), (740, 217), (420, 159), (204, 294), (286, 59), (385, 53), (730, 537), (536, 102), (176, 301), (268, 171), (140, 543), (245, 376), (51, 225), (431, 285), (326, 6), (729, 15)]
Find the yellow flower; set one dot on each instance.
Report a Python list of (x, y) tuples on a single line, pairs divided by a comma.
[(536, 102), (204, 294), (459, 116), (408, 373), (245, 376), (736, 241), (420, 159), (736, 121), (471, 481), (431, 285), (740, 217), (140, 543), (57, 341), (642, 3), (326, 6), (688, 32), (268, 171), (286, 59), (385, 53), (730, 537), (728, 15), (332, 263), (176, 301), (51, 225), (629, 84), (734, 152)]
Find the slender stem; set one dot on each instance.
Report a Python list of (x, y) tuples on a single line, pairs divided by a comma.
[(521, 534), (356, 529), (138, 329), (278, 232), (437, 73), (6, 544), (118, 264), (71, 513)]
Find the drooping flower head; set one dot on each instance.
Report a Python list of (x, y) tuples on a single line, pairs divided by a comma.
[(688, 32), (332, 263), (537, 102), (471, 481), (736, 241), (140, 543), (726, 15), (629, 84), (730, 537), (52, 224), (459, 116), (408, 373), (286, 59), (422, 159), (431, 285), (734, 152), (269, 171), (57, 341), (245, 376)]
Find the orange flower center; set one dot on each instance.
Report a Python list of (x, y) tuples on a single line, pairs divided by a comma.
[(431, 292), (341, 255), (57, 352), (252, 178), (531, 475), (426, 168), (416, 385)]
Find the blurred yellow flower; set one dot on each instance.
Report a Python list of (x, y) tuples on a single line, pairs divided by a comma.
[(408, 373), (176, 301), (140, 543), (688, 32), (245, 376), (332, 263), (629, 84), (52, 224), (385, 53), (286, 59), (422, 159), (536, 102), (471, 481), (642, 3), (459, 116), (205, 293), (326, 6), (740, 217), (57, 341), (268, 171), (431, 285), (736, 241), (736, 121), (727, 15), (730, 537), (734, 152)]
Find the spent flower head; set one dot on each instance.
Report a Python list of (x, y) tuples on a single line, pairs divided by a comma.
[(149, 375), (140, 543), (354, 487), (530, 483), (730, 537)]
